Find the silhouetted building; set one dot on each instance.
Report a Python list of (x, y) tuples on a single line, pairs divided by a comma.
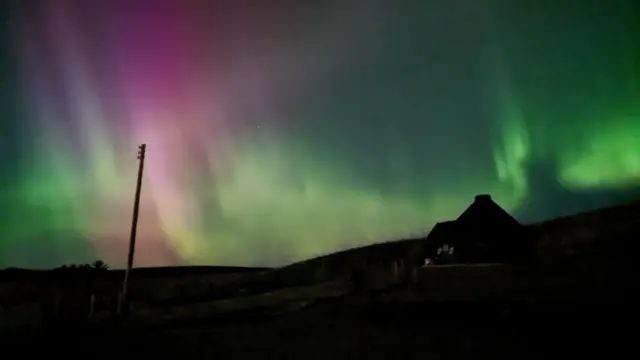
[(484, 233)]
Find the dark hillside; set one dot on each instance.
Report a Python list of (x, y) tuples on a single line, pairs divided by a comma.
[(17, 274)]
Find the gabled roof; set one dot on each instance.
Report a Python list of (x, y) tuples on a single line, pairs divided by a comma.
[(444, 229), (484, 210)]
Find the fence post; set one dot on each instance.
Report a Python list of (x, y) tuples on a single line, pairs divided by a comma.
[(119, 306), (394, 270), (56, 304), (92, 305)]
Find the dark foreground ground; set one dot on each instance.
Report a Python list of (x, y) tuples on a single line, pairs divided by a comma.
[(341, 329)]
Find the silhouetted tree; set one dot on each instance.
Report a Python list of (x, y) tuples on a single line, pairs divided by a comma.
[(100, 265), (82, 270)]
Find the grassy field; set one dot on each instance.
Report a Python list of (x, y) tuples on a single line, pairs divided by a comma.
[(330, 320), (355, 326)]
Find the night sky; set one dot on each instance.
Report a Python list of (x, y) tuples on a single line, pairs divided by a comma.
[(282, 130)]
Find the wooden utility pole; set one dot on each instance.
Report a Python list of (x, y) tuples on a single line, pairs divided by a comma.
[(123, 306)]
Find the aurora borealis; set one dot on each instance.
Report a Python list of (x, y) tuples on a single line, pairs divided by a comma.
[(282, 130)]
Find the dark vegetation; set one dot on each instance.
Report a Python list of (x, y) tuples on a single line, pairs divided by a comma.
[(344, 327), (82, 270)]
